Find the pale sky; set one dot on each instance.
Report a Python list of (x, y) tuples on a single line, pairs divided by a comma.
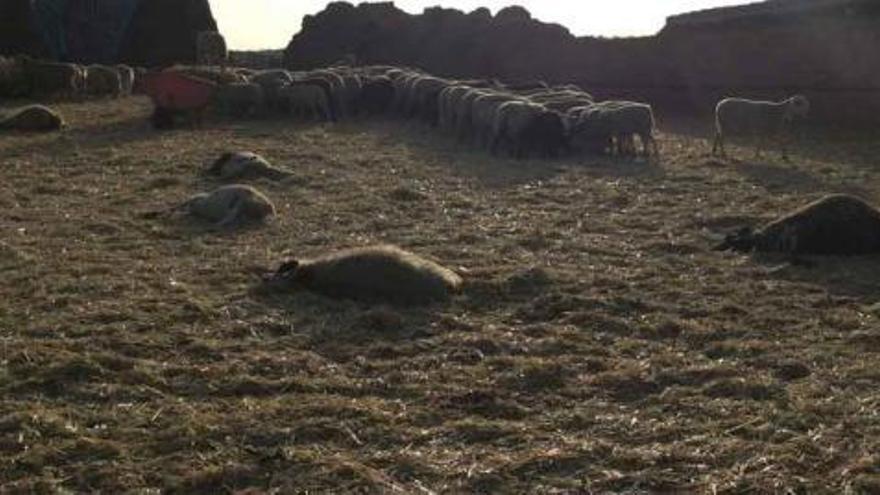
[(259, 24)]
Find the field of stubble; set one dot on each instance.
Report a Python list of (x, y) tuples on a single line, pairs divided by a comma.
[(599, 345)]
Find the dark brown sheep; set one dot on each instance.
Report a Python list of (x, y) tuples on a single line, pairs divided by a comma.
[(837, 224)]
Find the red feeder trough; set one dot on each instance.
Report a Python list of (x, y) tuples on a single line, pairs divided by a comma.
[(175, 93)]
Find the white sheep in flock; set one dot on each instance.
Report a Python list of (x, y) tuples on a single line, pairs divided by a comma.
[(757, 119)]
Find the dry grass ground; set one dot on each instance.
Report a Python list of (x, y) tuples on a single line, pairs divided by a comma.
[(599, 346)]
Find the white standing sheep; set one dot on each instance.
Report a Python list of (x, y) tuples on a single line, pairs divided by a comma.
[(759, 120), (307, 100)]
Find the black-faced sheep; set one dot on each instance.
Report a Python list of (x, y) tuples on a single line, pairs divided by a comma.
[(32, 118), (758, 120), (243, 165), (376, 95), (527, 128), (837, 224), (381, 274)]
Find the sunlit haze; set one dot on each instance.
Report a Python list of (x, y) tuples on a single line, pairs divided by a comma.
[(259, 24)]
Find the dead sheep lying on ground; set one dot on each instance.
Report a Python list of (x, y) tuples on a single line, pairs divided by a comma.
[(32, 118), (837, 224), (758, 120), (229, 206), (241, 165), (375, 274)]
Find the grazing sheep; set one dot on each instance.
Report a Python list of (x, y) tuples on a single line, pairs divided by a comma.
[(139, 73), (424, 102), (630, 118), (353, 85), (448, 102), (525, 86), (376, 95), (272, 81), (32, 118), (603, 123), (52, 78), (239, 99), (126, 77), (13, 78), (230, 205), (482, 115), (327, 86), (836, 224), (757, 119), (210, 48), (242, 165), (218, 75), (334, 87), (463, 113), (103, 81), (384, 274), (306, 100), (511, 120)]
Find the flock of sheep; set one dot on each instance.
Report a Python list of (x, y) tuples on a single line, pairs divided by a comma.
[(526, 119), (23, 76), (530, 119), (523, 119)]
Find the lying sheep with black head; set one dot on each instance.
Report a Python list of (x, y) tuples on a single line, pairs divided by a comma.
[(837, 224), (243, 165), (375, 274), (758, 120)]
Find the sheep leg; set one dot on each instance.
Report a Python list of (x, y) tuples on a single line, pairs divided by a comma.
[(718, 144), (784, 147), (493, 145), (232, 218)]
